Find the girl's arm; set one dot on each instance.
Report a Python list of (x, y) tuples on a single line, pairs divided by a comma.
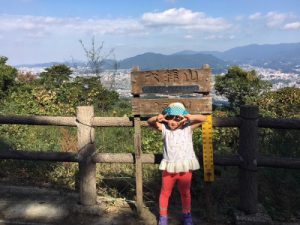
[(156, 121), (196, 120)]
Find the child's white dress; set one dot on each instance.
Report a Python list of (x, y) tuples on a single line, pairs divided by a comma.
[(179, 155)]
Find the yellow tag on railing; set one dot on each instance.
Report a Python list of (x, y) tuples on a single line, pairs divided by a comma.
[(208, 160)]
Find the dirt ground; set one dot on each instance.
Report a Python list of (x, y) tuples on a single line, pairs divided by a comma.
[(36, 206), (20, 205)]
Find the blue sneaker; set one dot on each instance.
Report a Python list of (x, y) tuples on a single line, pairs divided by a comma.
[(163, 220), (187, 219)]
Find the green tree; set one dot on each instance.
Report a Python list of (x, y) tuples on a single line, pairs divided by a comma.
[(240, 87), (55, 76), (283, 103), (88, 91), (8, 76)]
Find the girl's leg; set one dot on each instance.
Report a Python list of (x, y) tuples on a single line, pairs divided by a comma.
[(184, 186), (168, 181)]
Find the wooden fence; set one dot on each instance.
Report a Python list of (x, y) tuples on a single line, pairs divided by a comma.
[(247, 159)]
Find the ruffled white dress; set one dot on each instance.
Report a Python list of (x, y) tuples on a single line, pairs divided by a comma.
[(179, 155)]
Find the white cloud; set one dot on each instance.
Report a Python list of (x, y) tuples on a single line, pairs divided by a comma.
[(45, 26), (292, 26), (184, 18), (38, 26), (255, 16), (188, 36), (219, 37), (276, 20)]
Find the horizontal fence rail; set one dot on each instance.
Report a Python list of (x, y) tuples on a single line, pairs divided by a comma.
[(279, 123), (42, 156), (39, 120), (128, 121), (149, 158)]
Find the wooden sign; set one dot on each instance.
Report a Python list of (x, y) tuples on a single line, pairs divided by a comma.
[(155, 106), (171, 81)]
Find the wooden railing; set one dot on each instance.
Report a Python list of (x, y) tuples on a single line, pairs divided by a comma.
[(247, 159)]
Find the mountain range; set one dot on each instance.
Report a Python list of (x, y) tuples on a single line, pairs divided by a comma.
[(284, 57), (150, 61)]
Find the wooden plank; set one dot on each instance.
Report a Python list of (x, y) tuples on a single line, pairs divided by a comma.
[(171, 81), (127, 121), (112, 122), (39, 120), (40, 156), (138, 164), (155, 106)]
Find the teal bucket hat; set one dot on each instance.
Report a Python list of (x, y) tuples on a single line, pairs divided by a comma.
[(175, 109)]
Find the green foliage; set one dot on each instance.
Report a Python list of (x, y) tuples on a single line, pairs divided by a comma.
[(3, 60), (114, 140), (240, 87), (283, 103), (151, 141), (8, 75), (279, 193), (87, 91), (55, 76), (56, 94), (34, 100)]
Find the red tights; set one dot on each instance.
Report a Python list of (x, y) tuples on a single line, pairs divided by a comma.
[(184, 184)]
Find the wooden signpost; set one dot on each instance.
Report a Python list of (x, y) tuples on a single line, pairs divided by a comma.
[(154, 106), (154, 90), (171, 81)]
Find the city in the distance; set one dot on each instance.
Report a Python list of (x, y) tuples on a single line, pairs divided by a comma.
[(278, 63)]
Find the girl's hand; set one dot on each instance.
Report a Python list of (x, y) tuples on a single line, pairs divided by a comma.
[(161, 118), (188, 118)]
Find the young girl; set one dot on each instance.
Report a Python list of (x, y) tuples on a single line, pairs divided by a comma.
[(179, 158)]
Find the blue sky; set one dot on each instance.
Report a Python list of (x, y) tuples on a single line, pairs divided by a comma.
[(33, 31)]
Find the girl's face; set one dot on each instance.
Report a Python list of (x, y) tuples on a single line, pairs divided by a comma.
[(174, 122)]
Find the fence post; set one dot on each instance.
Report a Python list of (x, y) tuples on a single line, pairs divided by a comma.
[(138, 164), (138, 157), (248, 148), (86, 147)]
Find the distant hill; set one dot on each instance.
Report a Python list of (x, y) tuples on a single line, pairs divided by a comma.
[(150, 61), (186, 52), (262, 52), (42, 65), (284, 57)]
